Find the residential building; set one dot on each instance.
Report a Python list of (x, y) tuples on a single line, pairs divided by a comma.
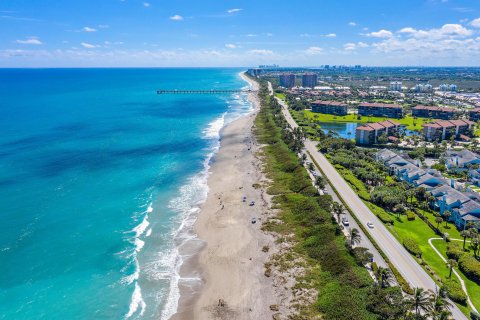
[(463, 206), (448, 87), (309, 80), (423, 88), (254, 72), (287, 80), (474, 114), (461, 159), (433, 112), (369, 133), (330, 107), (445, 129), (380, 110), (395, 86)]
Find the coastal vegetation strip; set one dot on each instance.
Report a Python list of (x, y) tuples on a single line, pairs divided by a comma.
[(332, 269)]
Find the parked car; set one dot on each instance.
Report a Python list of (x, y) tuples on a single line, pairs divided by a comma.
[(345, 222), (244, 199), (254, 220), (370, 225), (252, 203)]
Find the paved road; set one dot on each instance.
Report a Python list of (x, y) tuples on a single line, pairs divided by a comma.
[(400, 258), (364, 242)]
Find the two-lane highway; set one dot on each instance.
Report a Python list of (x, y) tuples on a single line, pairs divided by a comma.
[(399, 257)]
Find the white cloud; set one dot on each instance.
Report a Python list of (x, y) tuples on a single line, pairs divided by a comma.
[(446, 31), (103, 26), (350, 46), (407, 30), (88, 45), (176, 17), (88, 29), (260, 52), (230, 46), (380, 34), (146, 4), (251, 35), (475, 23), (330, 35), (269, 34), (30, 40), (314, 51), (352, 24), (234, 10), (306, 35), (362, 45)]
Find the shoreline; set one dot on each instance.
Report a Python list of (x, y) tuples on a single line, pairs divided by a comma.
[(227, 253)]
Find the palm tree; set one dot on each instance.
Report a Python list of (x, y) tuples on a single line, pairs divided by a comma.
[(438, 220), (421, 302), (447, 214), (384, 276), (464, 234), (475, 245), (338, 210), (451, 263), (354, 237), (440, 307)]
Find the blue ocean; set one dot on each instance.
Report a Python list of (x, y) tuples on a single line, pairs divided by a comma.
[(100, 179)]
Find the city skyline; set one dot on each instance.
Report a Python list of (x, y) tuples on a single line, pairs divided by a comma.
[(150, 33)]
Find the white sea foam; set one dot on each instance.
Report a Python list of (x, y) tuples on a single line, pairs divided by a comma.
[(187, 204), (149, 232), (136, 302)]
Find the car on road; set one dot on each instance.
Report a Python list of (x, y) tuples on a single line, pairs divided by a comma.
[(252, 203), (254, 220), (345, 222), (370, 225)]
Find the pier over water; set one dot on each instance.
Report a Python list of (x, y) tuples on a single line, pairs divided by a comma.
[(203, 91)]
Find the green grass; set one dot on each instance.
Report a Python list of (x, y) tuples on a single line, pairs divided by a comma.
[(472, 288), (280, 95), (408, 121), (420, 232)]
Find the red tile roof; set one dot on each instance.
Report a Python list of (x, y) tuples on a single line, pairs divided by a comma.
[(365, 128), (379, 105), (329, 103), (433, 108)]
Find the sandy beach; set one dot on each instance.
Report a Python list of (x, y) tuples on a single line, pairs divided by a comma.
[(231, 263)]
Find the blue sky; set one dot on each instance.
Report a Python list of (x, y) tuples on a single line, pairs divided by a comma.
[(161, 33)]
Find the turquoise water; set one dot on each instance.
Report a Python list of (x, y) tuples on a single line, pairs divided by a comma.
[(99, 178)]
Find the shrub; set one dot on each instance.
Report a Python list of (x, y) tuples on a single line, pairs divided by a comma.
[(410, 215), (474, 315), (455, 292), (412, 247), (470, 267), (454, 251)]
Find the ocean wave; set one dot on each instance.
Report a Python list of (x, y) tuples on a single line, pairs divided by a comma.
[(136, 302)]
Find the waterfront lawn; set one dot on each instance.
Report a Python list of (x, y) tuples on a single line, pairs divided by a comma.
[(410, 122)]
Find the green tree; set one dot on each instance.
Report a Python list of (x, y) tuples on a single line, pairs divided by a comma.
[(451, 263), (338, 210), (438, 220), (447, 214), (440, 307), (464, 234), (384, 277), (354, 237), (420, 302)]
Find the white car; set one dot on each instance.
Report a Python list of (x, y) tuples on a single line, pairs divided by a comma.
[(370, 225), (345, 222)]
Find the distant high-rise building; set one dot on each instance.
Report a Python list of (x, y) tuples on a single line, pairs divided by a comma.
[(309, 80), (423, 88), (448, 87), (287, 80), (395, 86), (357, 66)]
